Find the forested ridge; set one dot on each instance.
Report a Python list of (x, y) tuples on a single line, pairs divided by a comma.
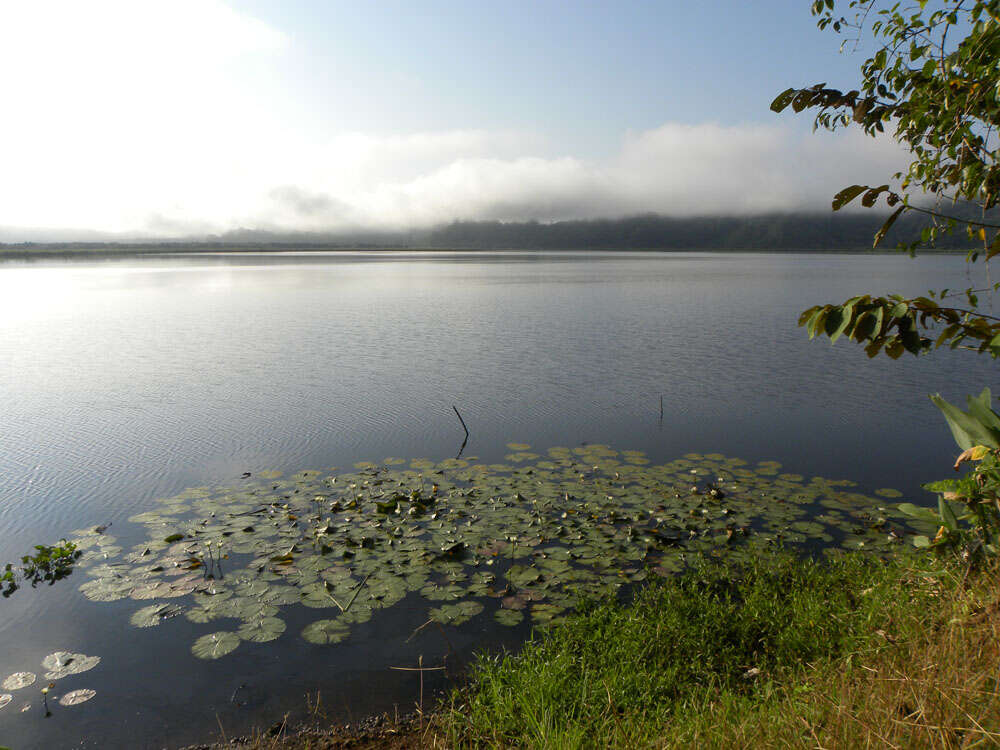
[(786, 231)]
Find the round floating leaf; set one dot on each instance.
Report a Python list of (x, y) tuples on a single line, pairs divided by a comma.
[(18, 680), (508, 617), (324, 632), (73, 697), (64, 663), (154, 614), (456, 614), (215, 645), (262, 630), (888, 492)]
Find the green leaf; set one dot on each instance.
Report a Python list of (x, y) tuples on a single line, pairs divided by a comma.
[(880, 234), (215, 645), (947, 514), (782, 100), (864, 327), (833, 322), (846, 317), (921, 514), (921, 541), (871, 195), (324, 632), (967, 429), (846, 195)]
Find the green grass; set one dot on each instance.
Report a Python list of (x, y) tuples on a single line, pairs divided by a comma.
[(674, 668)]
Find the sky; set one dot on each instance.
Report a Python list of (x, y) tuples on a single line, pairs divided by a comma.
[(176, 118)]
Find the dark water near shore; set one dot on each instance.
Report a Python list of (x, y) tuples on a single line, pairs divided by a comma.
[(126, 380)]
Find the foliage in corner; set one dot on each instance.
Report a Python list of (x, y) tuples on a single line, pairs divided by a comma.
[(968, 513), (932, 79), (48, 564)]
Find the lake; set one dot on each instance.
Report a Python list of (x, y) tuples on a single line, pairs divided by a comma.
[(132, 379)]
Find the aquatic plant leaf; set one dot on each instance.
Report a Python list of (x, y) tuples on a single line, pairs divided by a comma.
[(508, 617), (75, 697), (154, 614), (18, 680), (215, 645), (262, 630), (64, 663), (325, 632)]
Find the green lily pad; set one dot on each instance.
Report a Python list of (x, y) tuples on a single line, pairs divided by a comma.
[(64, 663), (75, 697), (154, 614), (262, 630), (508, 617), (18, 680), (325, 632), (215, 645)]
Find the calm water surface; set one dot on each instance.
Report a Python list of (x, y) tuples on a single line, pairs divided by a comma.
[(127, 380)]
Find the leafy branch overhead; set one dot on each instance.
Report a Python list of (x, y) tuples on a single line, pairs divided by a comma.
[(933, 80), (894, 324)]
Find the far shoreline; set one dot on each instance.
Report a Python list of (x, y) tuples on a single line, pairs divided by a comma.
[(55, 253)]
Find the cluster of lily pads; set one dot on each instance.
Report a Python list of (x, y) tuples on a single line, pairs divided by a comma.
[(532, 535), (58, 665)]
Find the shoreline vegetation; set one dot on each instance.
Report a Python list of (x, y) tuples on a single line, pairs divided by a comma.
[(770, 232), (848, 651)]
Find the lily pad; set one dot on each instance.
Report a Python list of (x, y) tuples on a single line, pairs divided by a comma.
[(75, 697), (535, 532), (64, 663), (262, 630), (154, 614), (508, 617), (324, 632), (215, 645), (18, 680)]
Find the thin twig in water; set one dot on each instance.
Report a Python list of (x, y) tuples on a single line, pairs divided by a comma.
[(219, 722), (356, 592), (261, 509), (461, 420), (326, 588), (421, 627), (464, 442)]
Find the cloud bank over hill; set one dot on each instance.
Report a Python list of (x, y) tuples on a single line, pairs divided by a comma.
[(169, 119)]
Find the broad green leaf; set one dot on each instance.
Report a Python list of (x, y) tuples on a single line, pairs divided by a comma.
[(215, 645), (846, 195), (75, 697), (922, 514), (967, 430), (18, 680), (880, 235), (325, 632), (947, 515)]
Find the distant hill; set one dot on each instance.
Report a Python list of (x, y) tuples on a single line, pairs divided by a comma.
[(803, 232)]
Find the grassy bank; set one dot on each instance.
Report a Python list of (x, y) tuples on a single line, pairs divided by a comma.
[(849, 653)]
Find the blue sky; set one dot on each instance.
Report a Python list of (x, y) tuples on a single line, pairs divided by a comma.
[(580, 72), (148, 117)]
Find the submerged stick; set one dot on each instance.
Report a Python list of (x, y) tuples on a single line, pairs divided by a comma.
[(459, 455), (461, 420)]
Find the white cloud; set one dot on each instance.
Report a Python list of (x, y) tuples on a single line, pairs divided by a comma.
[(165, 117), (675, 170)]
